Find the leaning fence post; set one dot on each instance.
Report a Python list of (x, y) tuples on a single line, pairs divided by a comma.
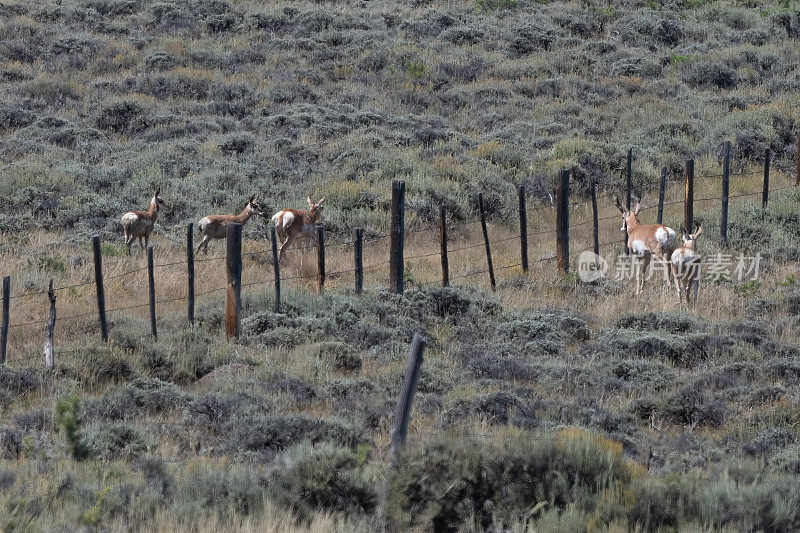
[(151, 290), (562, 221), (233, 295), (49, 359), (595, 221), (6, 317), (276, 268), (358, 259), (688, 196), (403, 411), (398, 229), (661, 192), (98, 281), (523, 229), (320, 259), (726, 177), (765, 193), (628, 187), (443, 245), (190, 270), (486, 240)]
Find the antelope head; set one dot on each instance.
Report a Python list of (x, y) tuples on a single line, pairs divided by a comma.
[(315, 209), (628, 216), (253, 207), (690, 239), (157, 202)]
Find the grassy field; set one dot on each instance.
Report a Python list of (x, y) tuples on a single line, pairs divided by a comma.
[(548, 404)]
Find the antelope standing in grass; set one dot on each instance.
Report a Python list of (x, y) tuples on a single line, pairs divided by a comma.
[(215, 226), (646, 240), (687, 266), (297, 224), (140, 223)]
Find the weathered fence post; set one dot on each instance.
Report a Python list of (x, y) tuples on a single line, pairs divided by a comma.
[(396, 266), (276, 268), (661, 192), (403, 411), (595, 221), (726, 179), (233, 266), (765, 192), (151, 290), (443, 245), (98, 281), (688, 196), (358, 258), (49, 358), (628, 187), (320, 259), (190, 270), (523, 229), (6, 318), (486, 240), (562, 221), (797, 162)]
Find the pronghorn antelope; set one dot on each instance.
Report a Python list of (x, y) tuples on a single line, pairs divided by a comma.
[(297, 224), (687, 267), (215, 226), (140, 223), (645, 240)]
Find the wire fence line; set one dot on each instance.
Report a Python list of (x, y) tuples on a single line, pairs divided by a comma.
[(334, 274)]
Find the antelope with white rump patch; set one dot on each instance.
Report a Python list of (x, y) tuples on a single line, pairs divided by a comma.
[(687, 266), (140, 223), (216, 226), (646, 240), (297, 224)]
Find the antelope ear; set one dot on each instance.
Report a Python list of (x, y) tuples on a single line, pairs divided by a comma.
[(158, 190), (619, 206), (310, 203), (698, 232), (637, 208), (250, 201), (320, 202)]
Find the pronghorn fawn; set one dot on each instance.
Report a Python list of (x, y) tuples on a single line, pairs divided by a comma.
[(297, 224), (215, 226), (140, 223), (646, 240), (687, 266)]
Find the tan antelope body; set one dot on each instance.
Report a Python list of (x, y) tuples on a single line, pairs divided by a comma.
[(216, 226), (687, 266), (297, 224), (645, 241), (139, 224)]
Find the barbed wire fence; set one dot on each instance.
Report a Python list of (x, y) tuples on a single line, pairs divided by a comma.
[(397, 263)]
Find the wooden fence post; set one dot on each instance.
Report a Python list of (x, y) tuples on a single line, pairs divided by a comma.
[(486, 240), (320, 259), (403, 411), (151, 290), (726, 177), (765, 193), (688, 196), (190, 270), (98, 281), (595, 221), (6, 318), (233, 295), (523, 229), (628, 187), (49, 358), (443, 246), (396, 266), (562, 221), (276, 268), (661, 192), (358, 258)]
